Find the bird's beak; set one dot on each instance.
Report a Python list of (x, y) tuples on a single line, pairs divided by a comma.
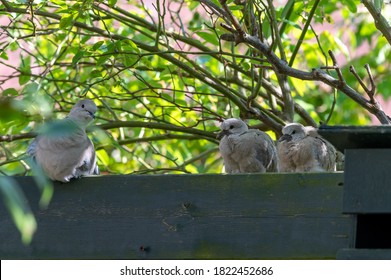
[(285, 137), (222, 134), (91, 114)]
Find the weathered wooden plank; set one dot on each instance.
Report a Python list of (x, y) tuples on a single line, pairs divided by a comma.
[(364, 254), (264, 216), (357, 137), (367, 181)]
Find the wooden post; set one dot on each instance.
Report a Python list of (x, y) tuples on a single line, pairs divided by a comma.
[(367, 190)]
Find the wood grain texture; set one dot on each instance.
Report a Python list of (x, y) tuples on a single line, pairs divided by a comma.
[(257, 216), (367, 181)]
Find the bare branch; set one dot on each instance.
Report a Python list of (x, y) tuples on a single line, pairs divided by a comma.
[(14, 137), (232, 18), (372, 90), (216, 9), (316, 75), (354, 72), (335, 67), (163, 126)]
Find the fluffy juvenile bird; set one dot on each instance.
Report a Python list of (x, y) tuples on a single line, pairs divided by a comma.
[(63, 149), (246, 150), (302, 149)]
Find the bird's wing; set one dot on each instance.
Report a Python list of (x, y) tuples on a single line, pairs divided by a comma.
[(61, 148), (316, 154), (88, 162), (328, 155), (255, 152)]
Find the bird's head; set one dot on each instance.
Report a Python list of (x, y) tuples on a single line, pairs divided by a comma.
[(293, 132), (83, 112), (232, 126)]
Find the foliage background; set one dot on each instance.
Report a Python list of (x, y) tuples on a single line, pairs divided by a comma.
[(164, 73), (158, 68)]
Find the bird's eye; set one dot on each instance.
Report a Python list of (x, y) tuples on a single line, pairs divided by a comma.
[(231, 127), (293, 132), (82, 105)]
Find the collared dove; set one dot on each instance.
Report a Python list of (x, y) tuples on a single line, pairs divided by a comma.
[(63, 149), (246, 150), (302, 149)]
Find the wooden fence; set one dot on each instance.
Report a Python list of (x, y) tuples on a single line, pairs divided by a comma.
[(258, 216), (263, 216)]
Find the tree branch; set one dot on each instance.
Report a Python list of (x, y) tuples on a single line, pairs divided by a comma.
[(381, 22), (163, 126), (6, 5), (316, 75), (10, 138), (371, 92)]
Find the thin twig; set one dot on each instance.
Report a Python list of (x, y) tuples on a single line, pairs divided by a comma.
[(273, 21), (336, 67), (304, 32), (354, 72), (372, 90)]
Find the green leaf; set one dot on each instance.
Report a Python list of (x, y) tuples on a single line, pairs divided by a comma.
[(113, 47), (96, 73), (246, 66), (58, 2), (79, 55), (129, 60), (14, 46), (25, 70), (97, 45), (235, 7), (112, 3), (192, 4), (103, 157), (43, 183), (66, 21), (18, 207), (24, 79), (352, 6), (10, 115), (102, 60), (129, 46), (209, 37), (146, 62), (3, 55), (291, 23), (10, 91), (30, 88)]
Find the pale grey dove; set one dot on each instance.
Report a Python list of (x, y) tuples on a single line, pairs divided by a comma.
[(63, 149), (246, 150), (302, 149)]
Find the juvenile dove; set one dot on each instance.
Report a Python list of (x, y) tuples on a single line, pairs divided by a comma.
[(302, 149), (63, 149), (246, 150)]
